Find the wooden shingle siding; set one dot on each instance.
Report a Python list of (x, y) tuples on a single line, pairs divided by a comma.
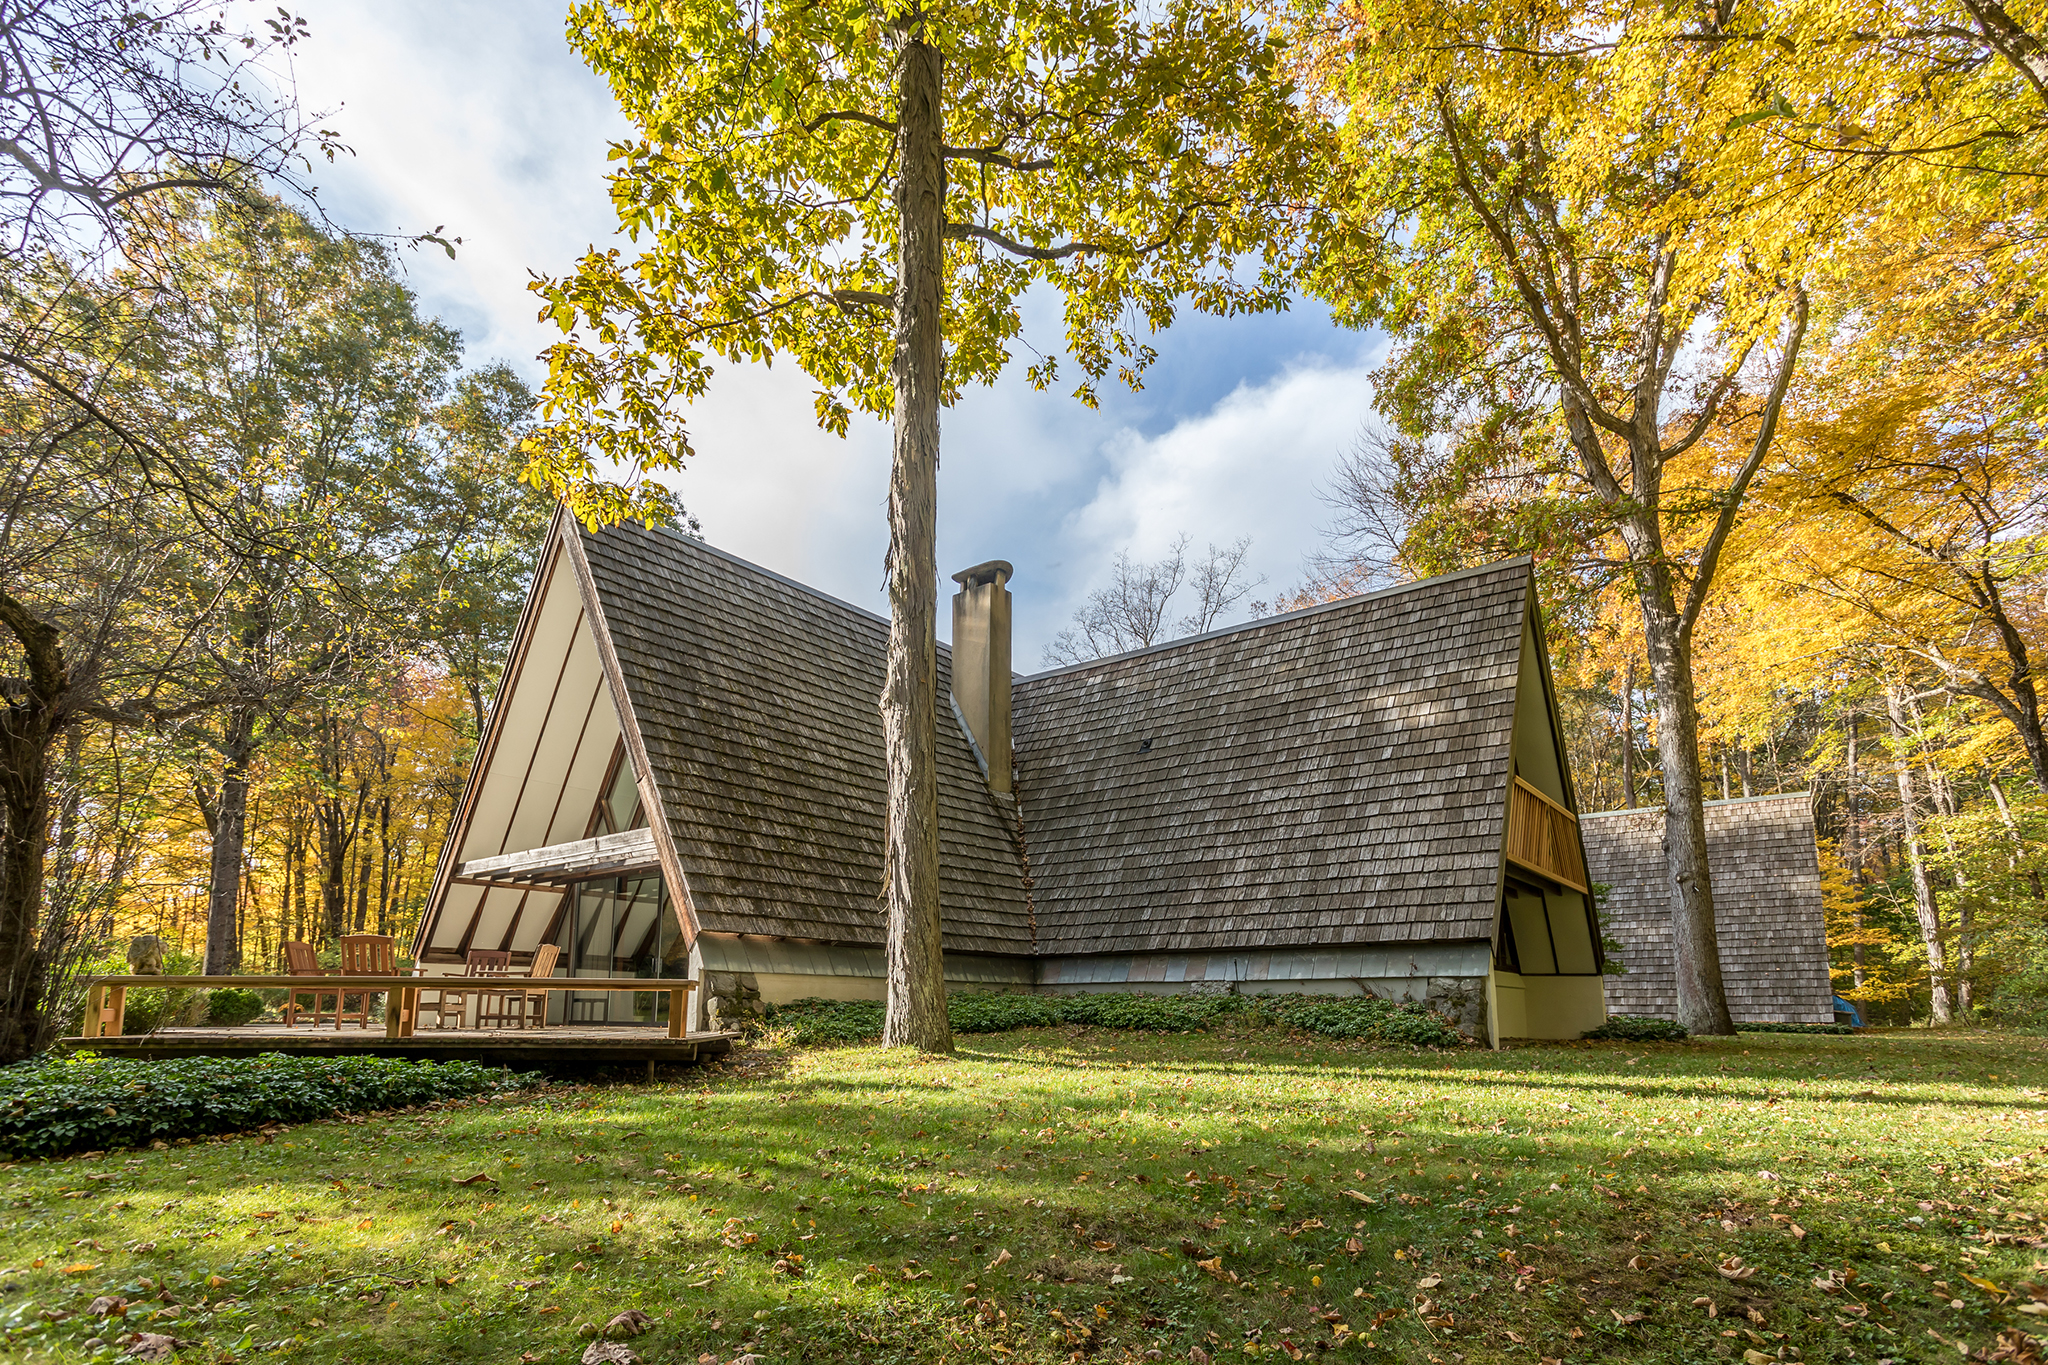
[(1336, 777), (757, 701), (1767, 908)]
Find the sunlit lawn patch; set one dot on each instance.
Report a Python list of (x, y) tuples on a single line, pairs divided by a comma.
[(1241, 1194)]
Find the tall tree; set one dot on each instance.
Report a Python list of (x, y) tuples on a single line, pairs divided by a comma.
[(792, 180), (291, 366), (1568, 309), (103, 106)]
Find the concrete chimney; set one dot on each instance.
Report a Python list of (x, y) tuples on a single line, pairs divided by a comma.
[(981, 664)]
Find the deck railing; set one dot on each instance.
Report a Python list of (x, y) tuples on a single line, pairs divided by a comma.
[(106, 997), (1544, 837)]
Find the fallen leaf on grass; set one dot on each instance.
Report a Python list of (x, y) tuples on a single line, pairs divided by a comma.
[(630, 1323), (1753, 1356), (1986, 1285), (480, 1178), (152, 1346), (108, 1306), (1708, 1304), (1002, 1258), (1625, 1318), (609, 1353), (1732, 1268), (1429, 1281), (1361, 1198)]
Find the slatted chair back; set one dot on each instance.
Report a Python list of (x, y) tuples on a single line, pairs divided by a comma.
[(300, 959), (486, 962), (369, 955), (529, 1004)]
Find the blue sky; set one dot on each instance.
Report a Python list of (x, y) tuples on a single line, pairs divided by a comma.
[(476, 117)]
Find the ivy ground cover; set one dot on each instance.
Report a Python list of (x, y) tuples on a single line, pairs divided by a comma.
[(1068, 1193)]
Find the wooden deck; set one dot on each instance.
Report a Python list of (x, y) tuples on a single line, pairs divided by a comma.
[(568, 1045)]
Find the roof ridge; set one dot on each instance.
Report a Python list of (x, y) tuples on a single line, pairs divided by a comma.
[(1806, 796), (1299, 612)]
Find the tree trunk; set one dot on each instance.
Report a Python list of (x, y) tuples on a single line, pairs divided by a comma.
[(334, 842), (1628, 739), (1852, 852), (230, 825), (2012, 830), (916, 1014), (24, 829), (27, 728), (1925, 907), (386, 868), (1695, 941)]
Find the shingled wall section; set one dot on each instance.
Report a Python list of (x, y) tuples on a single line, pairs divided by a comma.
[(1335, 778), (1767, 908)]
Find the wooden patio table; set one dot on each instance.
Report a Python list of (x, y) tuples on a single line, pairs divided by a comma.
[(106, 998)]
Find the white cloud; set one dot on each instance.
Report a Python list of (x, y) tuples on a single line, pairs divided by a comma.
[(475, 114), (1250, 466)]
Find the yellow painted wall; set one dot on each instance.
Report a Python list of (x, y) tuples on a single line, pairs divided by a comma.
[(779, 988), (1547, 1006)]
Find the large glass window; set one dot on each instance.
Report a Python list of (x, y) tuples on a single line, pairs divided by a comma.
[(621, 927), (618, 807)]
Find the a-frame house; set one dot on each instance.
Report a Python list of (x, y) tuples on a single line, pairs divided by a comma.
[(683, 777)]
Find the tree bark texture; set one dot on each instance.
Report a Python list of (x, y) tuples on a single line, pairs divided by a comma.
[(230, 824), (1695, 940), (1852, 852), (29, 721), (1926, 907), (916, 1005)]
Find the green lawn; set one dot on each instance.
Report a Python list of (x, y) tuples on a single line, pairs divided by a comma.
[(1114, 1196)]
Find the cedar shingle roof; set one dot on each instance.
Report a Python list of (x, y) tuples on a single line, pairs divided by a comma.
[(1767, 908), (1336, 776), (756, 700)]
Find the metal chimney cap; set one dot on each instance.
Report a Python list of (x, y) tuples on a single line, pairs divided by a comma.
[(997, 571)]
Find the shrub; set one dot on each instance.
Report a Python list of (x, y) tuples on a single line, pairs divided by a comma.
[(1145, 1013), (50, 1107), (812, 1020), (1361, 1016), (1633, 1028), (999, 1013), (233, 1005), (1795, 1028)]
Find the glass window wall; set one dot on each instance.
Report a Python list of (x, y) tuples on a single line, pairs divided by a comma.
[(621, 927)]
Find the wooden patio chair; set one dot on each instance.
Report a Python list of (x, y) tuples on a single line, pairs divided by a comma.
[(517, 1006), (476, 963), (364, 955), (301, 960)]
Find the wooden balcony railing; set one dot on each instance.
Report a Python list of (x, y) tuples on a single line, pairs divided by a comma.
[(1544, 837)]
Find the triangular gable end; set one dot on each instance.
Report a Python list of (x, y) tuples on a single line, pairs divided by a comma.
[(548, 752), (1548, 962)]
